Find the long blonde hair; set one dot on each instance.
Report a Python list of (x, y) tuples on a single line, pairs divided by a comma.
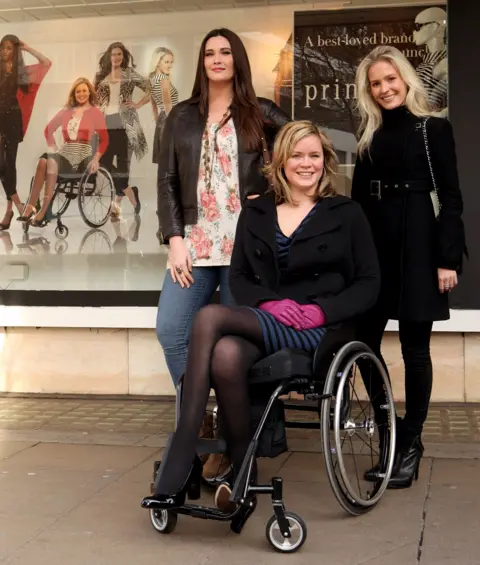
[(370, 113), (287, 138), (92, 98), (157, 56)]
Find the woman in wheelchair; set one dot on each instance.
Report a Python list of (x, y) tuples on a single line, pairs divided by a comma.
[(80, 120), (303, 259)]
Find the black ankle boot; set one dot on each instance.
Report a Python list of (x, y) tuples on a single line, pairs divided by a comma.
[(407, 465), (191, 488), (372, 475)]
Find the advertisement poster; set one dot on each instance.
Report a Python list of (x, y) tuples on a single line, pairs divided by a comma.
[(328, 47), (96, 233)]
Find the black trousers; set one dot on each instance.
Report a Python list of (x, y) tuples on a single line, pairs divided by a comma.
[(415, 343), (118, 146), (8, 166), (11, 135)]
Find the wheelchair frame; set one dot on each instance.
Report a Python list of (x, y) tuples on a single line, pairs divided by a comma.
[(340, 360), (73, 188)]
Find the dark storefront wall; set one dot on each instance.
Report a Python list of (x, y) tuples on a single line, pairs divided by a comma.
[(464, 79)]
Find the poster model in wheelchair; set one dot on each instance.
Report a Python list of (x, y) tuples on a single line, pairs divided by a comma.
[(95, 193), (328, 382)]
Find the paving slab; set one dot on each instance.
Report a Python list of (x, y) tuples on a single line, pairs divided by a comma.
[(32, 501), (452, 523), (71, 457), (73, 473), (9, 448)]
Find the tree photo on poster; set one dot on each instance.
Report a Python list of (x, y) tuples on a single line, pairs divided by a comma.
[(329, 46)]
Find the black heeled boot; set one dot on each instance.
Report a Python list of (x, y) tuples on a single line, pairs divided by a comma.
[(407, 465), (191, 488), (372, 474)]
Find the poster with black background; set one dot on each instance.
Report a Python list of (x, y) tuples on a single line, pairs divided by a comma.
[(328, 46)]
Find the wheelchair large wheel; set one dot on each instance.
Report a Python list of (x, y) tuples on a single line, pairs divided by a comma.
[(352, 432), (96, 194), (95, 242)]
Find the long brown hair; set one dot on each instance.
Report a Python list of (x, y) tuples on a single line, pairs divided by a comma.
[(245, 108), (105, 62), (19, 72)]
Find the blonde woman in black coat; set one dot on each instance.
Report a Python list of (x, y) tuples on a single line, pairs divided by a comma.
[(303, 258), (407, 183)]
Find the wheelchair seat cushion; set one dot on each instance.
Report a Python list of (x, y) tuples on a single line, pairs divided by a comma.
[(284, 364)]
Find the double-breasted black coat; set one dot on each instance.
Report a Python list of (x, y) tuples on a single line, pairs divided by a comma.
[(393, 185), (332, 261)]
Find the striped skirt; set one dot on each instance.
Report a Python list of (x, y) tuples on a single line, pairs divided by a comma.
[(278, 336), (75, 153)]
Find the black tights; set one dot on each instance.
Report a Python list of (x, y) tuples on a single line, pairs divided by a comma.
[(225, 342), (415, 342)]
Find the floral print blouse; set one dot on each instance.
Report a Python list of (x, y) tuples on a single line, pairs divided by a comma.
[(210, 240)]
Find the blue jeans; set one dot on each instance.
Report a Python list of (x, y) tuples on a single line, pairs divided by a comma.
[(177, 307)]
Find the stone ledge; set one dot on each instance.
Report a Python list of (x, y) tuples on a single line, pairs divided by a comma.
[(131, 362)]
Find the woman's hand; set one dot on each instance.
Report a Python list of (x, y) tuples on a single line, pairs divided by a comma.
[(447, 280), (94, 164), (286, 311), (180, 261), (131, 104)]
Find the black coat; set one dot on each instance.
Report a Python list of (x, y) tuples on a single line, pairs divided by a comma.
[(332, 262), (179, 161), (411, 243)]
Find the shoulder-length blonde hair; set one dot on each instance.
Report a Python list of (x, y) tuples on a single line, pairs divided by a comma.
[(71, 100), (370, 113), (157, 56), (287, 138)]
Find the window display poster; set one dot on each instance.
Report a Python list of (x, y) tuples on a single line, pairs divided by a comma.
[(80, 128), (329, 46)]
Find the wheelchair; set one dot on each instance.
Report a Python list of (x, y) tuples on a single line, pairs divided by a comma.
[(328, 382), (95, 193)]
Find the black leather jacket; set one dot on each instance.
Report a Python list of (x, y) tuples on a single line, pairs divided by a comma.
[(179, 162)]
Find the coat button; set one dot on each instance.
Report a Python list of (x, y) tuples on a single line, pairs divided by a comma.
[(311, 296), (258, 253), (257, 278), (316, 275), (322, 247)]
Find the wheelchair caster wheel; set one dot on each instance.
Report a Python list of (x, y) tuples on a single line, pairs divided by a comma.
[(61, 232), (298, 532), (61, 247), (164, 521)]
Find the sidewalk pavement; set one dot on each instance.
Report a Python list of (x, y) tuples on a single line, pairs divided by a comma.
[(73, 472)]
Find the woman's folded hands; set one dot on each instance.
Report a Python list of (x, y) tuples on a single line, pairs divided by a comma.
[(292, 314)]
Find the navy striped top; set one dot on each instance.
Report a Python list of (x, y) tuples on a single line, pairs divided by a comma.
[(283, 242)]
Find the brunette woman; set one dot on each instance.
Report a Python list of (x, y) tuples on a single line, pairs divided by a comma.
[(19, 85), (114, 83), (287, 288), (211, 156), (406, 180), (80, 120), (210, 160)]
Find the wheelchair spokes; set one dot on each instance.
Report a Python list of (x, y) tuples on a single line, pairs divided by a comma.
[(96, 195), (355, 438)]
